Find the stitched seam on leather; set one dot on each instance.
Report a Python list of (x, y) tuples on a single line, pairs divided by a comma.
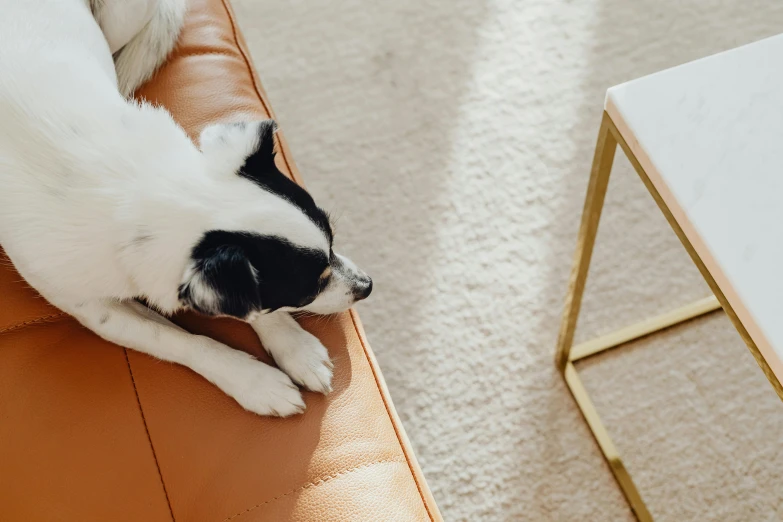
[(257, 88), (31, 322), (147, 431), (314, 483), (206, 53), (391, 417)]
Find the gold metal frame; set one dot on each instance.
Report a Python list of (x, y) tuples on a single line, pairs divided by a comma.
[(567, 354)]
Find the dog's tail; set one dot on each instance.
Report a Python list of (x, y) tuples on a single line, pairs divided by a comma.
[(138, 60)]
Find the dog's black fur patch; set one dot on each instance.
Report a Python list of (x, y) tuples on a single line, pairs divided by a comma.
[(260, 168), (248, 272)]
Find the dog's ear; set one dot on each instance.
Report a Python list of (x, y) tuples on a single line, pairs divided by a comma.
[(246, 148), (261, 162), (220, 281), (260, 168)]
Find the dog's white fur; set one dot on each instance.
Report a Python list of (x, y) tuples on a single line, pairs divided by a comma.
[(102, 199)]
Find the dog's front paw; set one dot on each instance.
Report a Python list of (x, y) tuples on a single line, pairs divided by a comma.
[(302, 356), (264, 390), (296, 351)]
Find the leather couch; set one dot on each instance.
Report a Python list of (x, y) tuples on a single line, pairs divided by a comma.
[(92, 432)]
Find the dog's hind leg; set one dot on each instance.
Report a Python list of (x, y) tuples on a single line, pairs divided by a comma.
[(120, 20), (141, 34), (256, 386)]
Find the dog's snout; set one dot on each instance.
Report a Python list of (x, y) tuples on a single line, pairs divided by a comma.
[(363, 289)]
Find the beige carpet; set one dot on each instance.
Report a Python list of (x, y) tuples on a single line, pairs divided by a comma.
[(453, 138)]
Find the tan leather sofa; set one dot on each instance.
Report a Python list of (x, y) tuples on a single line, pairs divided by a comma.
[(92, 432)]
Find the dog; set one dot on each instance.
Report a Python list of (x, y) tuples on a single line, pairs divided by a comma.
[(106, 202)]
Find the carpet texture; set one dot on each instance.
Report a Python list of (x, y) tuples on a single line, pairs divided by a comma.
[(453, 140)]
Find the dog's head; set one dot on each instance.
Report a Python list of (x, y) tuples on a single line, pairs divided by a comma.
[(272, 246)]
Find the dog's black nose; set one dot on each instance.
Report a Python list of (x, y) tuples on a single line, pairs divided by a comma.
[(363, 290)]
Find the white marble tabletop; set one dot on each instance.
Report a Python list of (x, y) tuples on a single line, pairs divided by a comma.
[(709, 134)]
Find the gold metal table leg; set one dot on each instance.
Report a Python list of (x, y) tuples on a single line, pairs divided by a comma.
[(604, 441), (567, 354), (586, 406), (591, 214), (644, 328)]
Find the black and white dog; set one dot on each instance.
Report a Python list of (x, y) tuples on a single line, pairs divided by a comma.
[(104, 201)]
